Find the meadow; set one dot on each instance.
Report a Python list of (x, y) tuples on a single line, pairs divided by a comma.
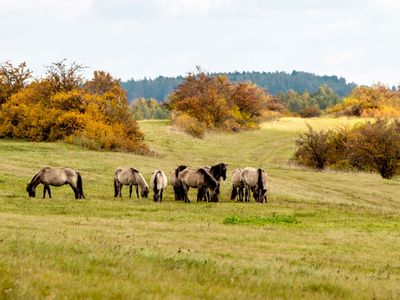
[(321, 235)]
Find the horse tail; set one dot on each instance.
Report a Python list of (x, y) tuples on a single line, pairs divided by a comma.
[(115, 187), (80, 186), (260, 179)]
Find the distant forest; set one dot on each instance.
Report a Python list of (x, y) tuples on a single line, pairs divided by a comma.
[(275, 82)]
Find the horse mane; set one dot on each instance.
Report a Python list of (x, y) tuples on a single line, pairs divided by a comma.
[(179, 169), (155, 180), (142, 182), (134, 170), (259, 179), (33, 181), (208, 178)]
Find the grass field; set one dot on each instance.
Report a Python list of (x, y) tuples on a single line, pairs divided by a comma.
[(322, 235)]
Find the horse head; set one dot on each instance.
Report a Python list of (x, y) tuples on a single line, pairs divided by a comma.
[(223, 170), (31, 191), (144, 192)]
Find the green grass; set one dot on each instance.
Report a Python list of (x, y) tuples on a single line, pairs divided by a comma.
[(322, 235)]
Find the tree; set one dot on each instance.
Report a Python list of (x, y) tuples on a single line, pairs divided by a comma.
[(12, 79), (216, 102)]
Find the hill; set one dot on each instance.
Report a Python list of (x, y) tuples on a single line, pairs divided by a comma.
[(274, 82), (322, 235)]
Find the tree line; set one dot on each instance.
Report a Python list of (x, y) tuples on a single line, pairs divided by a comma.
[(275, 82)]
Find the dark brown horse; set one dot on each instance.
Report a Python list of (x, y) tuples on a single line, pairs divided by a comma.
[(56, 177), (199, 179), (131, 177)]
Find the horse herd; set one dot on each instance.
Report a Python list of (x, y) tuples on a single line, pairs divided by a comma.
[(206, 180)]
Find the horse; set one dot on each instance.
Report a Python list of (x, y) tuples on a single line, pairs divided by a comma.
[(255, 180), (237, 185), (197, 178), (174, 181), (131, 177), (56, 177), (218, 172), (158, 183)]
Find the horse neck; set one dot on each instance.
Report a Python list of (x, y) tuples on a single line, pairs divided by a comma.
[(209, 178), (141, 181), (35, 180)]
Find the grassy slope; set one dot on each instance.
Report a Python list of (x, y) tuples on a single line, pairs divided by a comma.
[(329, 234)]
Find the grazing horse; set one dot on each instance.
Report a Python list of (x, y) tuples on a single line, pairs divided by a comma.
[(237, 185), (158, 183), (131, 177), (174, 181), (197, 178), (255, 180), (56, 177), (218, 172)]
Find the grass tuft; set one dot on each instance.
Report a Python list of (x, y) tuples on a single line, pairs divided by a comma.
[(259, 220)]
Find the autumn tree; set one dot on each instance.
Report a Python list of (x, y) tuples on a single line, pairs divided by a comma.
[(12, 79), (205, 102)]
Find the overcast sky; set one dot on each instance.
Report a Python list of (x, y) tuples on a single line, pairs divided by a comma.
[(355, 39)]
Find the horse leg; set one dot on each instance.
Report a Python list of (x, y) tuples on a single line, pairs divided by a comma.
[(247, 194), (49, 191), (176, 193), (137, 191), (75, 191), (44, 190), (186, 193), (161, 194), (200, 193), (130, 191)]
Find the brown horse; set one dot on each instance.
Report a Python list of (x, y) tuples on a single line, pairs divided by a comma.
[(56, 177), (199, 179), (237, 185), (158, 183), (174, 181), (131, 177), (255, 180)]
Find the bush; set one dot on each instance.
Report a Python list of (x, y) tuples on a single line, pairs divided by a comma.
[(312, 149), (310, 112), (377, 146), (374, 146)]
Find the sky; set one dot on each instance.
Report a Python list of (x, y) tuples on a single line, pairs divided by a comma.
[(355, 39)]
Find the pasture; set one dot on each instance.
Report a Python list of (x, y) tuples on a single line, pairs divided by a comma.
[(321, 235)]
